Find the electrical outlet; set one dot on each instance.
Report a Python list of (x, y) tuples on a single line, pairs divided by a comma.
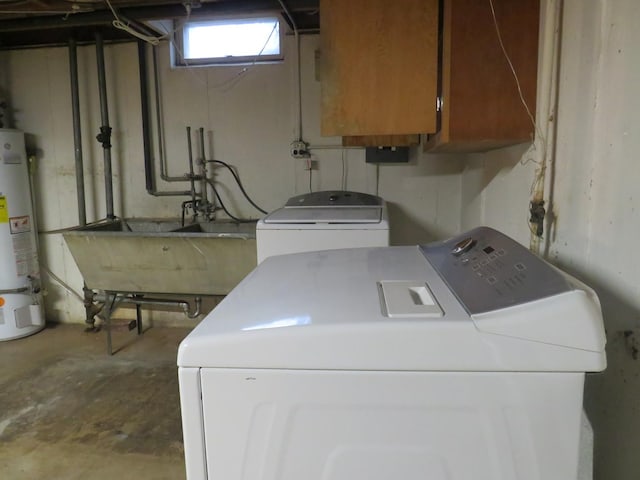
[(299, 149)]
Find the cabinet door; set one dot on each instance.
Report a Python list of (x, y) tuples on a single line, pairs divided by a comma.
[(481, 106), (379, 66)]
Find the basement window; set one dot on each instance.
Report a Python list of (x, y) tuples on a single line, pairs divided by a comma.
[(229, 41)]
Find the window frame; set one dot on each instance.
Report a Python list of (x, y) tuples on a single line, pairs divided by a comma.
[(180, 30)]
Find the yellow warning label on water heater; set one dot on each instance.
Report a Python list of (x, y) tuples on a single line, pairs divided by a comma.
[(4, 211)]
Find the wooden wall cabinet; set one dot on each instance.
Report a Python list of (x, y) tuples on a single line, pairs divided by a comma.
[(480, 105), (378, 68)]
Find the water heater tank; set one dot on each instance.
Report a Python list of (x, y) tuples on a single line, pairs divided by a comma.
[(21, 310)]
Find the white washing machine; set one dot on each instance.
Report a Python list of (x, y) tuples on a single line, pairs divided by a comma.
[(460, 360), (323, 221)]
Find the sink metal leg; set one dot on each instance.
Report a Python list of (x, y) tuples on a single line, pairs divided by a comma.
[(139, 318), (113, 300), (109, 307), (108, 322)]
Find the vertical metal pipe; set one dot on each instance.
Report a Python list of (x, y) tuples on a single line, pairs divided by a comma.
[(191, 173), (144, 107), (77, 134), (105, 130), (149, 164), (203, 173), (161, 154), (156, 91)]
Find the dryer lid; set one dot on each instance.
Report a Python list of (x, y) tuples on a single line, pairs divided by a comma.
[(329, 310)]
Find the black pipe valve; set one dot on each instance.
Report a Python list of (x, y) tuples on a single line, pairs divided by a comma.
[(104, 137), (537, 212)]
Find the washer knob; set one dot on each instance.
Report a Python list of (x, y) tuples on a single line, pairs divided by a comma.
[(463, 246)]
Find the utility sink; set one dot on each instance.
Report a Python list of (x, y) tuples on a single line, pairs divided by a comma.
[(162, 256)]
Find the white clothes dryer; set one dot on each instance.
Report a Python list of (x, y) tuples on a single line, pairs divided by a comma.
[(459, 360)]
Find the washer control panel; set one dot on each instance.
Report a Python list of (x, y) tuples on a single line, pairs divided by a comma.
[(486, 270)]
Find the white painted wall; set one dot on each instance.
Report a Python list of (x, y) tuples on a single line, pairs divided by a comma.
[(248, 123), (596, 201)]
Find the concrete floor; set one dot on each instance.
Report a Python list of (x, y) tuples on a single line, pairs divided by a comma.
[(69, 411)]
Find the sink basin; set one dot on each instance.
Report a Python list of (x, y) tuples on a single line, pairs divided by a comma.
[(161, 256)]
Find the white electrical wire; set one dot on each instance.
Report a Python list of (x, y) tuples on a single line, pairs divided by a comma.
[(170, 35), (232, 81), (298, 65), (527, 158), (513, 71), (120, 25), (539, 176), (227, 84)]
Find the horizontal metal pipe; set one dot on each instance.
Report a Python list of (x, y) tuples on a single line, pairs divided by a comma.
[(14, 290), (178, 193), (157, 302), (333, 147)]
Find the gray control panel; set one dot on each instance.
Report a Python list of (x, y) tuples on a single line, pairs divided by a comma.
[(486, 271)]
